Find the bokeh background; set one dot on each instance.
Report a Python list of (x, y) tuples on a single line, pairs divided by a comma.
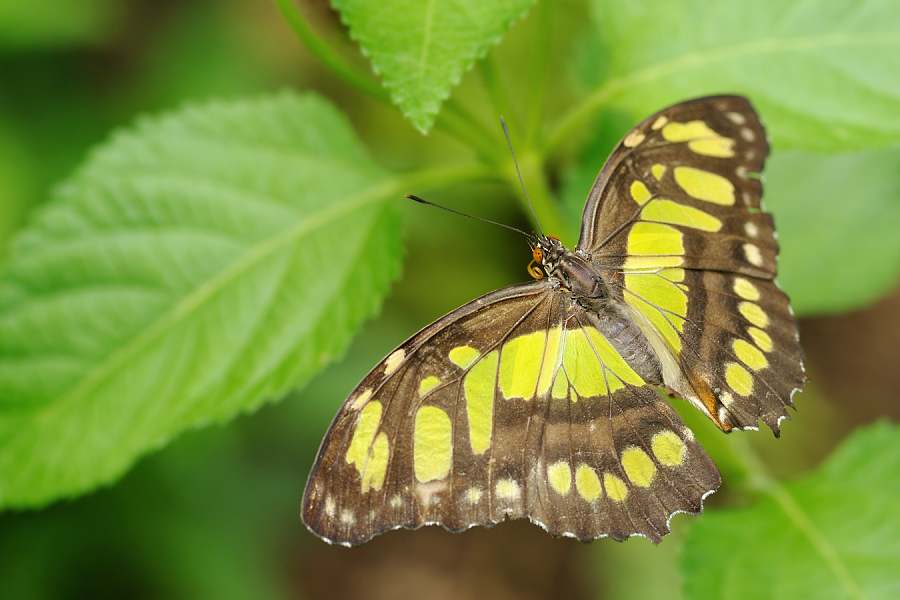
[(215, 514)]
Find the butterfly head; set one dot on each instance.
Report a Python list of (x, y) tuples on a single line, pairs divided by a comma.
[(546, 251)]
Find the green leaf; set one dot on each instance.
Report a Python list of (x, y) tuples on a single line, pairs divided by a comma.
[(829, 535), (822, 74), (422, 49), (837, 219), (197, 266)]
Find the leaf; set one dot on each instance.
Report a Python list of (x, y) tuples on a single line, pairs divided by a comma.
[(837, 219), (822, 74), (832, 534), (422, 49), (197, 266)]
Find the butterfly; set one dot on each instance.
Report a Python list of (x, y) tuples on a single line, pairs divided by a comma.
[(540, 400)]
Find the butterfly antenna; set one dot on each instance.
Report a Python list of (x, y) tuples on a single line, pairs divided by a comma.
[(516, 163), (420, 201)]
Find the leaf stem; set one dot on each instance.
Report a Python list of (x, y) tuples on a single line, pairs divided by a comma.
[(760, 480), (327, 56), (537, 79), (490, 75), (463, 127)]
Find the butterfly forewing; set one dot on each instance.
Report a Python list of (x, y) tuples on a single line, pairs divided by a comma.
[(677, 209), (691, 169), (515, 405)]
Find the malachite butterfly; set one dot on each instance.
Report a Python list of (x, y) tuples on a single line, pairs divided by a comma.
[(540, 400)]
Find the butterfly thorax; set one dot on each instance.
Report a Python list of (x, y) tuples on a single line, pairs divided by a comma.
[(575, 272), (588, 288)]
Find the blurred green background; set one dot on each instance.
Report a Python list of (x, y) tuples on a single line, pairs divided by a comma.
[(215, 514)]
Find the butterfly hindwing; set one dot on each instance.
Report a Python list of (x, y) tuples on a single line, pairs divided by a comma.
[(514, 405), (677, 210), (741, 345), (616, 461)]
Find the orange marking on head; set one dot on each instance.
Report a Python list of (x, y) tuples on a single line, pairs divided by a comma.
[(537, 256)]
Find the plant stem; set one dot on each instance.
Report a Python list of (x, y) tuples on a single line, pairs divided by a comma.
[(437, 177), (759, 479), (469, 133), (332, 60), (538, 75), (500, 99), (532, 169), (577, 117)]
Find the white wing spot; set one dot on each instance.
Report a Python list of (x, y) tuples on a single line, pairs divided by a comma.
[(362, 399), (754, 256), (723, 414), (347, 517), (473, 495), (393, 361), (736, 118), (507, 489), (430, 493), (747, 134), (633, 139), (330, 506), (751, 229)]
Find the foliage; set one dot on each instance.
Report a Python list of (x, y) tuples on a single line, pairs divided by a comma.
[(828, 535), (422, 49), (167, 270), (201, 263)]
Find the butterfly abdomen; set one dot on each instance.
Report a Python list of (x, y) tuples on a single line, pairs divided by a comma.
[(629, 341)]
